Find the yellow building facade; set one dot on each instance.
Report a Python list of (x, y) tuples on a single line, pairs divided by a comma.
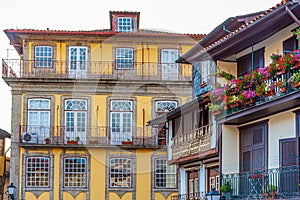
[(81, 103)]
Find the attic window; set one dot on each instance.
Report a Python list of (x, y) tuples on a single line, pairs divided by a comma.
[(124, 24)]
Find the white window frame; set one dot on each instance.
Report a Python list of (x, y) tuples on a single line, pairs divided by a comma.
[(124, 24), (217, 183), (37, 172), (124, 58), (168, 178), (38, 119), (205, 71), (43, 56), (120, 173), (121, 128), (212, 183), (162, 106), (75, 174), (78, 109)]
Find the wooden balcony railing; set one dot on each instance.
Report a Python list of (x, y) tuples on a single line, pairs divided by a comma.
[(193, 142), (95, 136), (97, 70)]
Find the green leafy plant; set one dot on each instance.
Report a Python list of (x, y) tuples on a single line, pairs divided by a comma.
[(295, 78), (226, 187)]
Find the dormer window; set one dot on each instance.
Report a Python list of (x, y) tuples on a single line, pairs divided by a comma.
[(124, 21), (124, 24)]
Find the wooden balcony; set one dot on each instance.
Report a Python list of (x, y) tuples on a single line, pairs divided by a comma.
[(129, 137), (99, 70), (191, 143)]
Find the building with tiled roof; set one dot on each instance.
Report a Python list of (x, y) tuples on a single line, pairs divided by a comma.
[(240, 134), (81, 100)]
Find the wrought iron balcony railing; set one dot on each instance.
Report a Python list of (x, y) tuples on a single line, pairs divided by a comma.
[(193, 142), (97, 70), (191, 196), (282, 183), (95, 136)]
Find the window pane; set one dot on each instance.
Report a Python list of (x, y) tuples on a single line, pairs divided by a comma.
[(124, 58), (37, 172), (75, 172), (120, 172), (165, 175), (124, 24), (43, 56)]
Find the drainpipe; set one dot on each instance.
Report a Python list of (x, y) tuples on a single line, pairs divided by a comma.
[(292, 15)]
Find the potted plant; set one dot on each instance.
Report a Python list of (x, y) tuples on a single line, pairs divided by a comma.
[(215, 109), (294, 80), (271, 192), (127, 142), (282, 85), (73, 141), (47, 140), (226, 189)]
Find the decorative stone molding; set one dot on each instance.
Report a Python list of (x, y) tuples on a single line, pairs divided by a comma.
[(37, 191), (121, 191)]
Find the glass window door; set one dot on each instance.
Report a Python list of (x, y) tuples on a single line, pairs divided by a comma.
[(77, 62), (169, 67)]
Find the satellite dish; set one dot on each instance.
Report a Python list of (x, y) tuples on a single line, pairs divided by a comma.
[(27, 137)]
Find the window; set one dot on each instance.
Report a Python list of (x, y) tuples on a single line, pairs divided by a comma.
[(245, 64), (39, 118), (120, 172), (37, 172), (76, 119), (121, 121), (78, 56), (168, 66), (43, 56), (124, 24), (124, 58), (205, 72), (290, 44), (75, 172), (165, 106), (212, 183), (162, 107), (165, 175)]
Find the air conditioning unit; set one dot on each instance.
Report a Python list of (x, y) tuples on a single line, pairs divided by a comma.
[(29, 137)]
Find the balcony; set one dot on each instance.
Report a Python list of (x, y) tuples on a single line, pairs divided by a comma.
[(192, 143), (191, 196), (99, 70), (277, 183), (129, 137), (264, 92)]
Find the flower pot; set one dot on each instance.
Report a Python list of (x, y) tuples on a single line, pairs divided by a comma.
[(283, 89), (47, 141), (270, 93), (279, 73), (296, 66), (216, 112), (295, 85), (72, 142), (127, 143), (217, 99)]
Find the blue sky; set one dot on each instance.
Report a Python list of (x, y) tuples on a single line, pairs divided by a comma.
[(189, 16)]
